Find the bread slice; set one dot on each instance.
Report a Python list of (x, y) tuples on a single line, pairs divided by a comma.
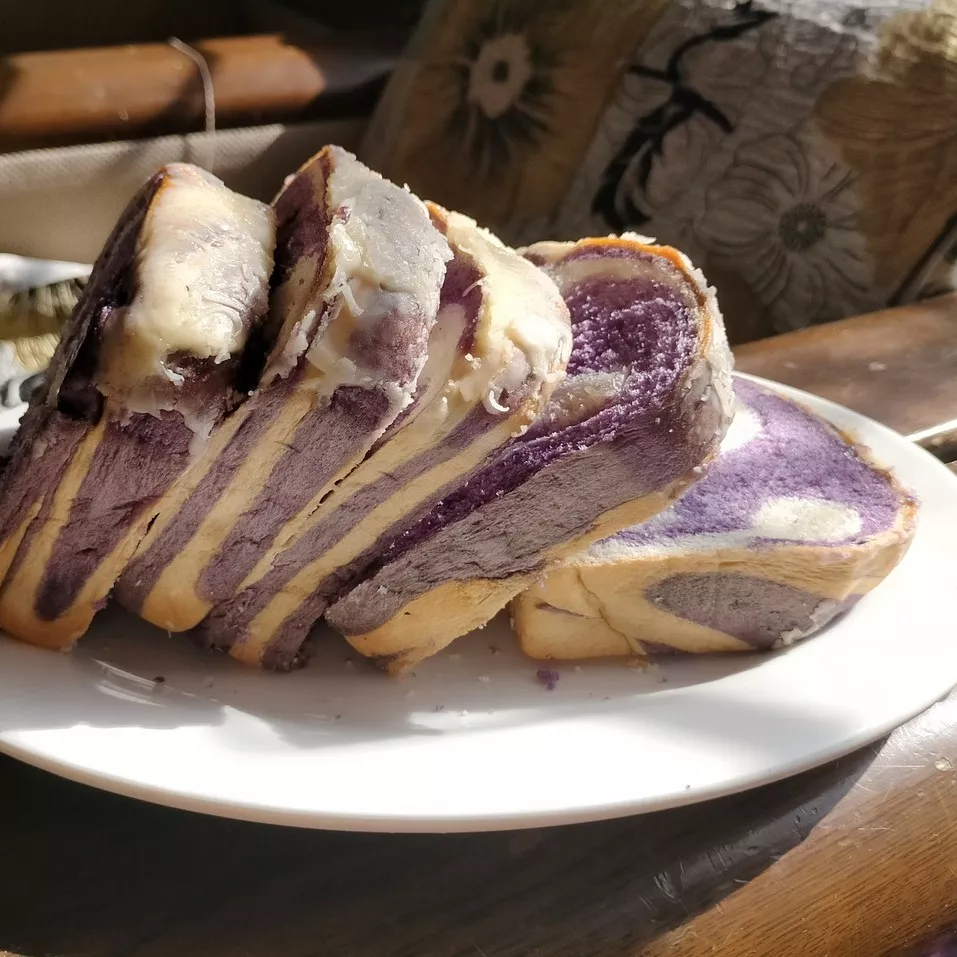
[(498, 349), (645, 403), (360, 267), (156, 354), (792, 524)]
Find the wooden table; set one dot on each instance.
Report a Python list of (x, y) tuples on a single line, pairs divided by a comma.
[(898, 366), (858, 858), (130, 92)]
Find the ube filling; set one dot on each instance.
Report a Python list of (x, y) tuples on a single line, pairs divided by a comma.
[(68, 388), (755, 610), (794, 455), (460, 288), (639, 327)]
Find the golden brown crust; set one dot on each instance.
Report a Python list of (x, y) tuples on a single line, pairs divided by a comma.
[(597, 609)]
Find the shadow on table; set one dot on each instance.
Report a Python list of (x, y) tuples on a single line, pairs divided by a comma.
[(89, 872), (93, 873)]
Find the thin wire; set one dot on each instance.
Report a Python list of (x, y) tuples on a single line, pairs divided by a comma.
[(209, 98)]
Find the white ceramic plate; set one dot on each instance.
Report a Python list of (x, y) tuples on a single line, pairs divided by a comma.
[(474, 740)]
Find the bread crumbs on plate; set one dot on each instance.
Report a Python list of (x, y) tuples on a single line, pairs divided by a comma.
[(549, 677)]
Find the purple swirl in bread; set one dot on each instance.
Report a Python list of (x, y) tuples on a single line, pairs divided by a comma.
[(160, 349), (790, 526), (359, 270), (499, 345), (645, 402)]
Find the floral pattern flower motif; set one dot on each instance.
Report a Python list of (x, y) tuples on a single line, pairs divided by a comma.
[(504, 81), (784, 218), (497, 101), (893, 124), (629, 171)]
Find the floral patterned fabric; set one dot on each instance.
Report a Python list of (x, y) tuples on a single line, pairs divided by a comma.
[(803, 152)]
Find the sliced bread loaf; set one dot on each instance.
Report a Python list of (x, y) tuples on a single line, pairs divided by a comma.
[(645, 402), (791, 525), (161, 347), (498, 348), (359, 270)]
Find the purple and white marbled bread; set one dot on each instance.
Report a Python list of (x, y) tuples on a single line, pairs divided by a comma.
[(359, 270), (498, 348), (645, 402), (160, 349), (790, 526)]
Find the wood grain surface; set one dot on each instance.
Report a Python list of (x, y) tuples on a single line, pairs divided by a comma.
[(55, 25), (855, 859), (898, 366), (75, 96)]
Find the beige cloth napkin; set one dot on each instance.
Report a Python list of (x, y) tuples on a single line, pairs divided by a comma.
[(62, 203)]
